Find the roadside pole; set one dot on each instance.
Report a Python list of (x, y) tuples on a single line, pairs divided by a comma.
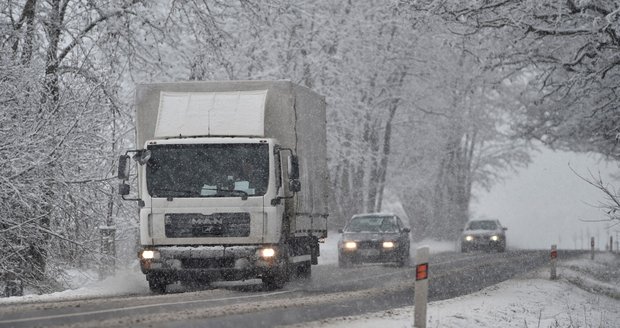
[(421, 287), (592, 248), (554, 259), (611, 244)]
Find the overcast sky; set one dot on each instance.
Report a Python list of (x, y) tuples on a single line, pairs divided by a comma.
[(546, 203)]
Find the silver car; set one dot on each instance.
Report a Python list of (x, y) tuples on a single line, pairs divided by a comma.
[(374, 237), (483, 235)]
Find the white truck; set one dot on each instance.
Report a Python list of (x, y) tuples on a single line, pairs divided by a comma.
[(232, 181)]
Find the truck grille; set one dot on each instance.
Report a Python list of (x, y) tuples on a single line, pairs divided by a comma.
[(214, 225)]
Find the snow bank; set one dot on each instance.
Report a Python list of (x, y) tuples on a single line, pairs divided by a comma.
[(85, 284)]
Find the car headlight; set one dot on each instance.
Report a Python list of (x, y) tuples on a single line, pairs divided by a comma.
[(388, 244), (350, 245), (494, 238), (149, 254), (469, 238), (267, 252)]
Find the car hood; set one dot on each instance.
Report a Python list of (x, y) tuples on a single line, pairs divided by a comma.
[(369, 236), (482, 232)]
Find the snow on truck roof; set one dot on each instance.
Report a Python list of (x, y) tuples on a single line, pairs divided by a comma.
[(238, 113)]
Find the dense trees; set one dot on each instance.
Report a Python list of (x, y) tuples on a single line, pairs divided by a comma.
[(59, 109), (426, 100), (569, 49)]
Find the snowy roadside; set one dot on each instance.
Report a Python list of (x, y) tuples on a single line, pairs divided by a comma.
[(586, 294), (85, 285)]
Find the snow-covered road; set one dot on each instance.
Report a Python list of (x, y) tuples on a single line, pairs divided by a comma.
[(587, 293)]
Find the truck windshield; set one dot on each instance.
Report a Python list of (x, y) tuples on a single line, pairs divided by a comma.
[(208, 170)]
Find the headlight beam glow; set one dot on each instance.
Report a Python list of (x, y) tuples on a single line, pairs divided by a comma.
[(350, 245), (267, 252), (388, 244)]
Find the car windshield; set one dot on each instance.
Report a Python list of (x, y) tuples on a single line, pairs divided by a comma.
[(372, 224), (482, 225)]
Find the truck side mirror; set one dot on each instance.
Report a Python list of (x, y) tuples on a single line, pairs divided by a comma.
[(123, 167), (142, 156), (294, 185), (293, 167), (123, 189)]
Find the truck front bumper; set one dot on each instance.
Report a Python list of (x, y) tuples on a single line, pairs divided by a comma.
[(208, 263)]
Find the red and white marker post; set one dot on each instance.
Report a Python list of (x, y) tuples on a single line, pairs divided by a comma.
[(592, 248), (421, 287)]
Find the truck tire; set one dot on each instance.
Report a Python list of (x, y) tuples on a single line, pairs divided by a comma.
[(274, 281), (304, 270), (277, 278), (157, 284), (157, 287)]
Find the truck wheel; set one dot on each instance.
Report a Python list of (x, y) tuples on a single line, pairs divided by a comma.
[(274, 281), (157, 285), (304, 270)]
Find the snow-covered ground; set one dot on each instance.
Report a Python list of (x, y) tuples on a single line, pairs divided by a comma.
[(586, 294)]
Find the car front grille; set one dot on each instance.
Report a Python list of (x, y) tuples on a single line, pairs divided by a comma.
[(370, 244)]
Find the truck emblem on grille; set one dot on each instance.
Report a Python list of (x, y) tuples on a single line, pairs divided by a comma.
[(206, 220)]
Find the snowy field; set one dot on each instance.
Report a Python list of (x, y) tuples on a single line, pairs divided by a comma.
[(586, 294)]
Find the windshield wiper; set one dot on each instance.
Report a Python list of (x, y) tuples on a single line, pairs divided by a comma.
[(244, 195), (157, 192)]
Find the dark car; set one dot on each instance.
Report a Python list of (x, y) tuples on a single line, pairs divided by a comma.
[(374, 238), (483, 235)]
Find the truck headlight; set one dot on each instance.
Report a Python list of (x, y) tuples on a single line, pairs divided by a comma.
[(267, 252), (469, 238), (494, 238), (350, 245), (388, 244), (149, 254)]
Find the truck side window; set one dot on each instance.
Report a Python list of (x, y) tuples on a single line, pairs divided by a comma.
[(277, 169)]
